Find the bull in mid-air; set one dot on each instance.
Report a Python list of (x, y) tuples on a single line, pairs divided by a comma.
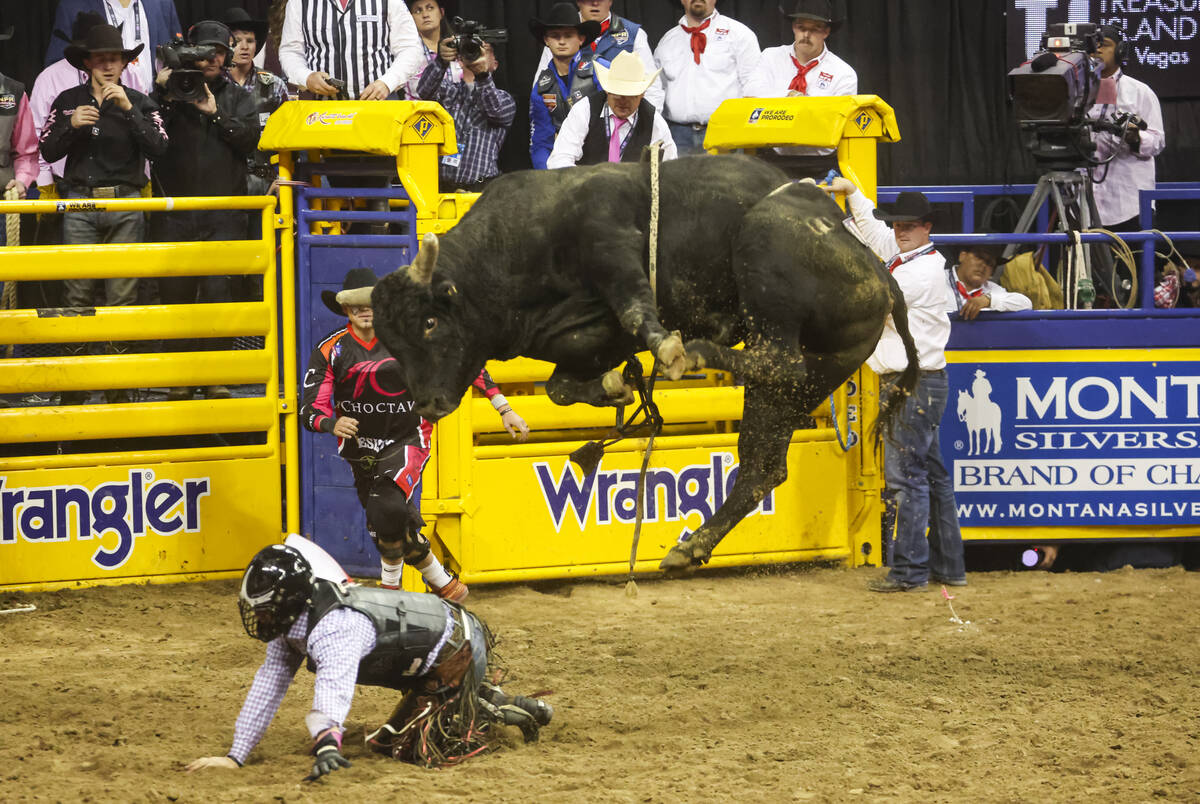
[(554, 265)]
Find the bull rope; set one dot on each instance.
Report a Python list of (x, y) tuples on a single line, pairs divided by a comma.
[(12, 230)]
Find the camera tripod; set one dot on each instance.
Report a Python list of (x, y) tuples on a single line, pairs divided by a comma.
[(1075, 208)]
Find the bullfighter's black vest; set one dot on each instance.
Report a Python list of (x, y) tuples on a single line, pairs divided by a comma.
[(582, 83), (595, 144), (620, 36), (408, 626), (11, 92)]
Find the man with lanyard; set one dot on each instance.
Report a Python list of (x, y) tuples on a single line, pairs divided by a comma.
[(617, 35), (972, 287), (1131, 168), (706, 59), (372, 47), (569, 76), (105, 132), (148, 23), (482, 113), (435, 652), (620, 123), (920, 488), (353, 389), (806, 67)]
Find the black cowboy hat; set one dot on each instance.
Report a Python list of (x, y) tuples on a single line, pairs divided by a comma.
[(829, 12), (910, 206), (236, 19), (210, 32), (989, 252), (102, 38), (356, 290), (565, 15)]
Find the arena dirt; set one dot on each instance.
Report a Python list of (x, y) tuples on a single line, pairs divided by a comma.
[(793, 685)]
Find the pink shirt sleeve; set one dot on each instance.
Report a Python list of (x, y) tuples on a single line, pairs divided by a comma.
[(25, 144)]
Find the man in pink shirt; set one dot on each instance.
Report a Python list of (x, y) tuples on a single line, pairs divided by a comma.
[(18, 152)]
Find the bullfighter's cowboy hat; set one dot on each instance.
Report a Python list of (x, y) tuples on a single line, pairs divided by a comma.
[(627, 75), (210, 32), (565, 15), (236, 19), (910, 206), (356, 290), (99, 39), (829, 12)]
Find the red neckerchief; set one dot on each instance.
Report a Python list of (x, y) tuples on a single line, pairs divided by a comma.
[(898, 260), (699, 40), (967, 294), (603, 30), (799, 83)]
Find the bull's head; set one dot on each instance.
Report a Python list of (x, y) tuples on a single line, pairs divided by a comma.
[(419, 320)]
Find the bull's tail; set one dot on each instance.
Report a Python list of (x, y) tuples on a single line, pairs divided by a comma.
[(908, 378)]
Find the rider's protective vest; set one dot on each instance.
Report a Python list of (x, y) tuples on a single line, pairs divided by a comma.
[(11, 92), (582, 83)]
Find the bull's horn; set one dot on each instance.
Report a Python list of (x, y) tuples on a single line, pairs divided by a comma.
[(422, 267)]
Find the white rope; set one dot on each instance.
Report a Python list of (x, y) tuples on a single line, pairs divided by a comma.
[(12, 230), (654, 167)]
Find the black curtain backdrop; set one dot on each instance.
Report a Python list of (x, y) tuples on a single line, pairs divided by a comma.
[(939, 63)]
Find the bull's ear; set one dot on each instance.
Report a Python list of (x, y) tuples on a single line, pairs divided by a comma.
[(422, 267), (447, 289)]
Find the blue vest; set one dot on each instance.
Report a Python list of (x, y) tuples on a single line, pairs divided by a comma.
[(620, 36)]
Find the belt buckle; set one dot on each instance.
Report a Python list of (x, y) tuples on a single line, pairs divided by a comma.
[(104, 192), (697, 126)]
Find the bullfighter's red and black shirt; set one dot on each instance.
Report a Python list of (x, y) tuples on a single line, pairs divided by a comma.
[(349, 377)]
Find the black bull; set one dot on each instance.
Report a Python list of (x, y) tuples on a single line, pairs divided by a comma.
[(554, 265)]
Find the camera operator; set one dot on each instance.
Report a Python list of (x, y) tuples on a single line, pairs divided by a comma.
[(482, 113), (1133, 150), (210, 140)]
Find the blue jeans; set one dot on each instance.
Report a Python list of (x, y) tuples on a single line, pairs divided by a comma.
[(922, 489), (688, 140)]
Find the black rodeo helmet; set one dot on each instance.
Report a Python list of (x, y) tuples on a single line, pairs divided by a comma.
[(275, 589)]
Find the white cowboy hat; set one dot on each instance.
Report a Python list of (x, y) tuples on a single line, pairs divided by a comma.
[(627, 75)]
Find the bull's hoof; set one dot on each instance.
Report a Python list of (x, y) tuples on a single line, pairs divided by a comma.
[(681, 560), (616, 392), (672, 356), (700, 355)]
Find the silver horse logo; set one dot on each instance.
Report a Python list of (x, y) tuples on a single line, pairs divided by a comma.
[(981, 415)]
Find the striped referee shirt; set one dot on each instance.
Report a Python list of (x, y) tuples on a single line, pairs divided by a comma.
[(367, 41)]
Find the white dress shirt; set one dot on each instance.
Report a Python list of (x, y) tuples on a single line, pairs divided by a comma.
[(568, 145), (132, 20), (832, 76), (308, 44), (726, 68), (1127, 173), (641, 46), (926, 294), (1000, 300)]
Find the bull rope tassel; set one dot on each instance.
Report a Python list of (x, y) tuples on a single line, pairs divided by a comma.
[(631, 589), (12, 229)]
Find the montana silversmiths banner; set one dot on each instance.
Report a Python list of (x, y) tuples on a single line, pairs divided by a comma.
[(1163, 36), (1074, 442)]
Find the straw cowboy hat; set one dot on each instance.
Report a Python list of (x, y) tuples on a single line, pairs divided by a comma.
[(236, 19), (627, 75), (99, 39), (356, 290)]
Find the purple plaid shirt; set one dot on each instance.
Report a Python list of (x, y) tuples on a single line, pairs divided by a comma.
[(482, 113), (337, 643)]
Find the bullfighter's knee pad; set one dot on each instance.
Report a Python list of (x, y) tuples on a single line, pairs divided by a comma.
[(395, 524)]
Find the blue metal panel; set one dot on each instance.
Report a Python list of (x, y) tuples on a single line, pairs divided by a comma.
[(330, 513)]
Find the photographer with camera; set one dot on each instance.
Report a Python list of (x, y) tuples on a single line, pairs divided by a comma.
[(482, 112), (213, 128), (1133, 149), (368, 51)]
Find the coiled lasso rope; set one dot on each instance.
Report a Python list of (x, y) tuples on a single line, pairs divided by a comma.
[(12, 230)]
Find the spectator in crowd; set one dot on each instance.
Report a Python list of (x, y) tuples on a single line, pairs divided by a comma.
[(617, 35), (972, 288), (706, 59), (60, 76), (1189, 285), (482, 113), (373, 47), (18, 137), (105, 132), (268, 90), (569, 76), (430, 18), (149, 23), (921, 491), (806, 67), (615, 125), (211, 141), (435, 653), (379, 434), (1133, 151)]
